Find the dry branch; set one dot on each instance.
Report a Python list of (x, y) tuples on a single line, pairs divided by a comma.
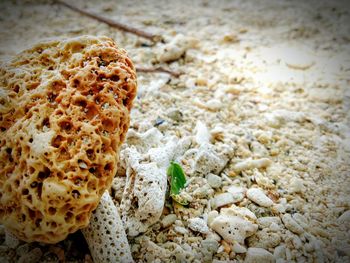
[(113, 23)]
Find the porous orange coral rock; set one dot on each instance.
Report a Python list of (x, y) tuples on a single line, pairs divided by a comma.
[(64, 112)]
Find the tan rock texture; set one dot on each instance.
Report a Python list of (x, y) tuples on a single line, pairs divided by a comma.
[(64, 112)]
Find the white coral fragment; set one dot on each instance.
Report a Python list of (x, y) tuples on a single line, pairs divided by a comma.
[(144, 141), (176, 48), (233, 228), (105, 234), (291, 224), (251, 164), (143, 198), (259, 197), (208, 160), (198, 224), (221, 200), (237, 193), (232, 225), (144, 193), (202, 133)]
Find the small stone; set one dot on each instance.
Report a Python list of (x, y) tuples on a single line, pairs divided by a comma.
[(168, 220), (181, 230), (238, 248), (175, 115), (210, 244), (275, 227), (319, 232), (209, 247), (202, 133), (207, 159), (258, 255), (280, 208), (214, 104), (267, 221), (297, 242), (10, 240), (301, 220), (237, 192), (199, 225), (344, 218), (32, 256), (251, 164), (214, 180), (23, 249), (296, 185), (258, 196), (264, 239), (279, 252), (222, 200), (212, 215), (291, 224)]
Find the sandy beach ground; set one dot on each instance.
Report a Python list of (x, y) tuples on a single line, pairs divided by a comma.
[(267, 81)]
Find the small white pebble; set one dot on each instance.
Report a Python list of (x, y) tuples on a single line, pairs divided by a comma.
[(344, 218), (296, 185), (178, 223), (181, 230), (267, 221), (222, 200), (214, 104), (297, 242), (238, 248), (199, 225), (168, 220), (281, 208), (301, 220), (309, 247), (214, 180), (274, 227), (251, 164), (220, 249), (237, 192), (291, 224), (279, 252), (258, 196), (212, 215)]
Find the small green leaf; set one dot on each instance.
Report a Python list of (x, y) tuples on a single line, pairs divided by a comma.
[(177, 182)]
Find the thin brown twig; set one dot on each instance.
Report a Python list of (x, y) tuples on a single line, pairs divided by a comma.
[(113, 23), (158, 69)]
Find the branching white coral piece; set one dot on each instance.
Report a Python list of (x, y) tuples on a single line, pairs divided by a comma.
[(105, 234), (144, 193), (146, 180)]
